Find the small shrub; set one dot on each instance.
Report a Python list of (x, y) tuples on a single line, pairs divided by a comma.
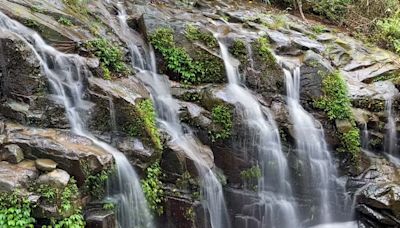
[(15, 211), (152, 188), (336, 103), (221, 117), (238, 49), (111, 56), (318, 29), (250, 176), (334, 10), (389, 32)]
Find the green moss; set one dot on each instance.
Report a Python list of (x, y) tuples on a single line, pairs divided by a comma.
[(152, 188), (193, 33), (222, 118), (336, 103), (111, 56), (64, 21), (238, 49), (15, 211), (143, 124), (146, 111), (263, 49), (204, 68)]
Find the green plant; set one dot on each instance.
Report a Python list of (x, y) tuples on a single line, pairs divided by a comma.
[(111, 56), (69, 194), (109, 206), (76, 220), (95, 184), (193, 33), (222, 118), (318, 29), (334, 10), (152, 188), (279, 21), (263, 49), (15, 211), (350, 142), (336, 103), (204, 68), (47, 192), (64, 21), (147, 114), (389, 31), (250, 176), (190, 214)]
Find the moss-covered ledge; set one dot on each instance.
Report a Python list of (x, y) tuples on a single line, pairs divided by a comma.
[(193, 60), (337, 105)]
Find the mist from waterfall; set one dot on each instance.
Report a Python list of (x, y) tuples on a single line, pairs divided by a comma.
[(181, 137), (66, 74)]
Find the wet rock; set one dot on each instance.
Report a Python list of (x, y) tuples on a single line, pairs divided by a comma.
[(135, 150), (306, 43), (24, 88), (375, 215), (181, 212), (45, 164), (119, 95), (77, 155), (312, 71), (14, 176), (100, 219), (343, 126), (12, 153), (57, 178)]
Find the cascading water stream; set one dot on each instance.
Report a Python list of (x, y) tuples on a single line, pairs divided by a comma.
[(274, 186), (167, 110), (65, 74), (390, 145), (318, 179)]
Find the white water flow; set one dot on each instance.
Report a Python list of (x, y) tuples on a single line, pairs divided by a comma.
[(167, 110), (274, 186), (390, 146), (365, 137), (318, 172), (65, 74)]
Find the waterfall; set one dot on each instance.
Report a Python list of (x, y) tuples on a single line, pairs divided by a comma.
[(390, 145), (318, 172), (65, 74), (274, 186), (167, 109), (365, 137)]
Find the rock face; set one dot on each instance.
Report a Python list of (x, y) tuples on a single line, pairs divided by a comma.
[(57, 178), (45, 164), (72, 153), (12, 153), (33, 125), (14, 176), (378, 201)]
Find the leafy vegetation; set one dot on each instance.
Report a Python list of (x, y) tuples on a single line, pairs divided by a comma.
[(111, 57), (336, 103), (193, 33), (205, 68), (250, 176), (147, 114), (221, 117), (64, 21), (95, 184), (152, 188), (15, 211), (389, 31), (263, 49)]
